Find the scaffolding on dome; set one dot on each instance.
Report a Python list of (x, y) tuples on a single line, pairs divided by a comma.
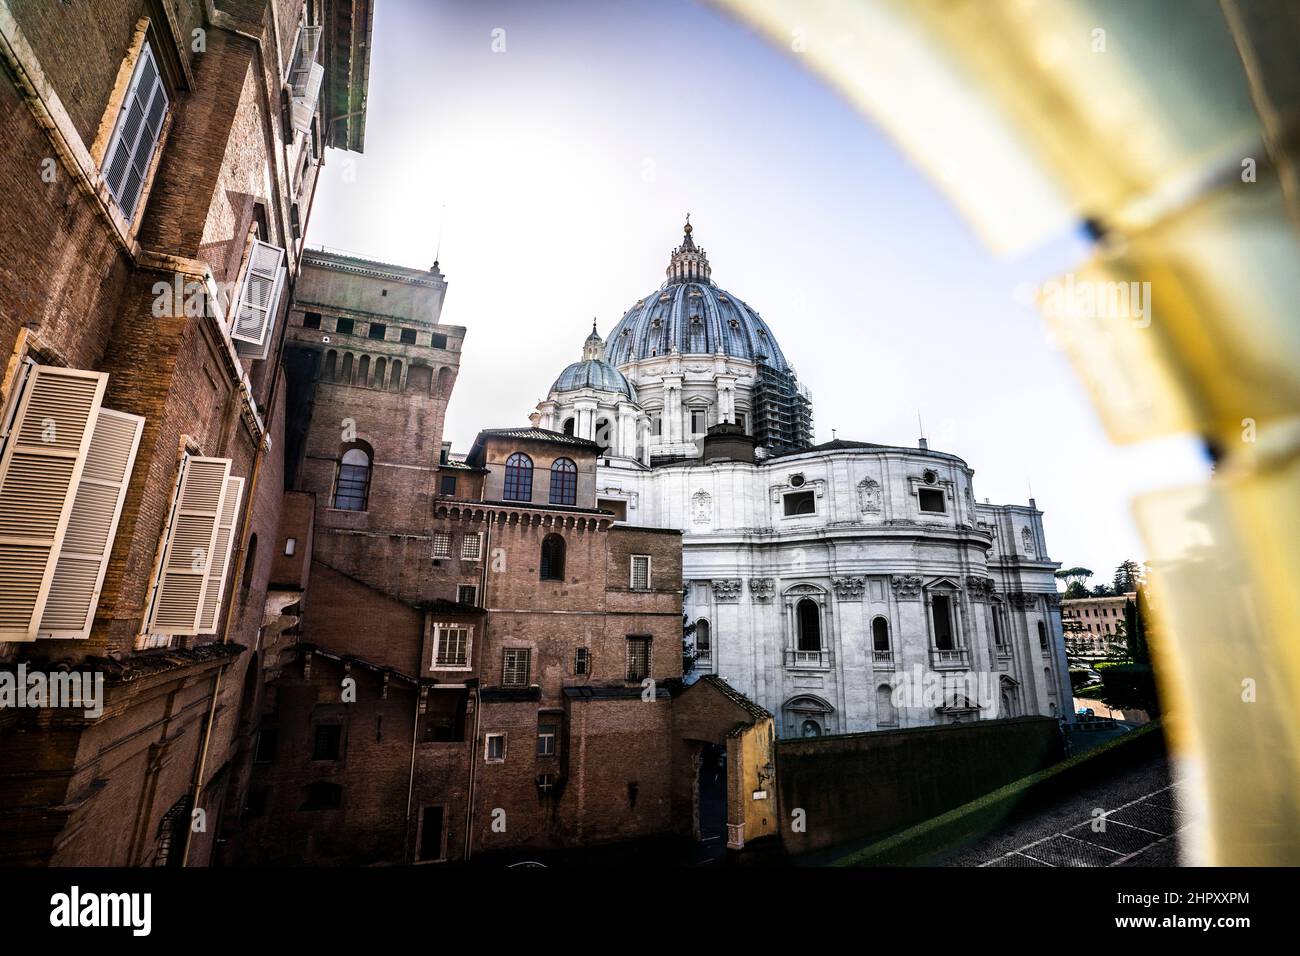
[(782, 410)]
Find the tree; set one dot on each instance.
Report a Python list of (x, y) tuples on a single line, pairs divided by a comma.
[(1071, 575), (1102, 590), (1135, 629), (689, 654), (1127, 577), (1076, 590)]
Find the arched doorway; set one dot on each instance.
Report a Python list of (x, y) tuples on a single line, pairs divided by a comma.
[(807, 716)]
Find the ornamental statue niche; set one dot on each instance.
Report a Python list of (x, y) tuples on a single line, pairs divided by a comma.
[(701, 507), (869, 496), (1027, 537)]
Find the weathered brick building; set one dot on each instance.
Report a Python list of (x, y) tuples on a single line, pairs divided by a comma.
[(482, 649), (158, 174)]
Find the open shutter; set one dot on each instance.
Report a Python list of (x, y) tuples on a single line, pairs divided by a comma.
[(188, 547), (259, 295), (43, 459), (217, 574), (136, 135), (304, 58), (96, 507), (303, 107)]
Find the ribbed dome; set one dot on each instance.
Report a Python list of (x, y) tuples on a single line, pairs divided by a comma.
[(690, 312), (593, 373)]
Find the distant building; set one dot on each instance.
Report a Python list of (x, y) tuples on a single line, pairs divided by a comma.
[(1094, 627), (827, 582)]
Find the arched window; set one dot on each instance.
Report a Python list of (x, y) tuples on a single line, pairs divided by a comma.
[(604, 433), (703, 640), (880, 634), (363, 371), (331, 366), (395, 376), (886, 713), (519, 477), (1042, 636), (352, 488), (381, 367), (345, 376), (810, 625), (564, 482), (444, 381), (568, 426), (552, 558), (810, 728)]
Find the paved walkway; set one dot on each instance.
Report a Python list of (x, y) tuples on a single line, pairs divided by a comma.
[(1144, 811)]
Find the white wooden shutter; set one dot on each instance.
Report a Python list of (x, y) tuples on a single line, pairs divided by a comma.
[(136, 135), (304, 58), (218, 575), (259, 295), (42, 462), (303, 107), (188, 547), (96, 508)]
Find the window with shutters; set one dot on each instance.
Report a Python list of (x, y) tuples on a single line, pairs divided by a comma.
[(640, 572), (64, 465), (184, 573), (136, 134), (471, 547), (452, 647), (515, 666), (222, 547), (253, 318), (638, 658), (441, 544), (552, 558), (305, 76)]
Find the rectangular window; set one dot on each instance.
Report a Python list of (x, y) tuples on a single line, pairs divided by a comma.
[(741, 421), (942, 614), (471, 547), (135, 137), (438, 340), (441, 544), (408, 336), (638, 658), (431, 835), (547, 736), (515, 666), (656, 425), (451, 647), (582, 661), (290, 545), (447, 485), (467, 594), (326, 745), (800, 503), (377, 331), (494, 749), (344, 326), (931, 499), (253, 317), (311, 320), (640, 572), (698, 417)]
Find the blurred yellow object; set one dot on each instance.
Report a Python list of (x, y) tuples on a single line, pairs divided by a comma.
[(1174, 129)]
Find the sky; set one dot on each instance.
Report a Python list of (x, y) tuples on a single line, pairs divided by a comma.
[(547, 154)]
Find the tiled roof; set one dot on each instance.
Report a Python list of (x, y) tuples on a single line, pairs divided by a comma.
[(735, 696)]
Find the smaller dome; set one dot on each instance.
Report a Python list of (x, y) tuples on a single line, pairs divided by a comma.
[(593, 373)]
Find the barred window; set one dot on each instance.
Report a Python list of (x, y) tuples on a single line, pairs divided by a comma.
[(564, 482), (352, 489), (441, 545), (514, 671), (471, 547), (552, 564), (467, 594), (582, 661), (638, 658), (640, 572), (451, 647), (519, 478)]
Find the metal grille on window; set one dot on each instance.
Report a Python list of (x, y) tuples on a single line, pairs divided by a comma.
[(638, 658), (441, 545), (515, 669), (640, 572), (471, 547), (353, 487)]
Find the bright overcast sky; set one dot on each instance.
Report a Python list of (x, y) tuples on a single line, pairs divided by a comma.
[(560, 170)]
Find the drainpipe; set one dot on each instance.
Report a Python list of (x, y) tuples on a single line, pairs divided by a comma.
[(478, 708), (410, 782)]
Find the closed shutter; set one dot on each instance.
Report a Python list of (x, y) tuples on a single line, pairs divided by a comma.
[(96, 508), (42, 462), (218, 575), (136, 135), (188, 547), (259, 295)]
